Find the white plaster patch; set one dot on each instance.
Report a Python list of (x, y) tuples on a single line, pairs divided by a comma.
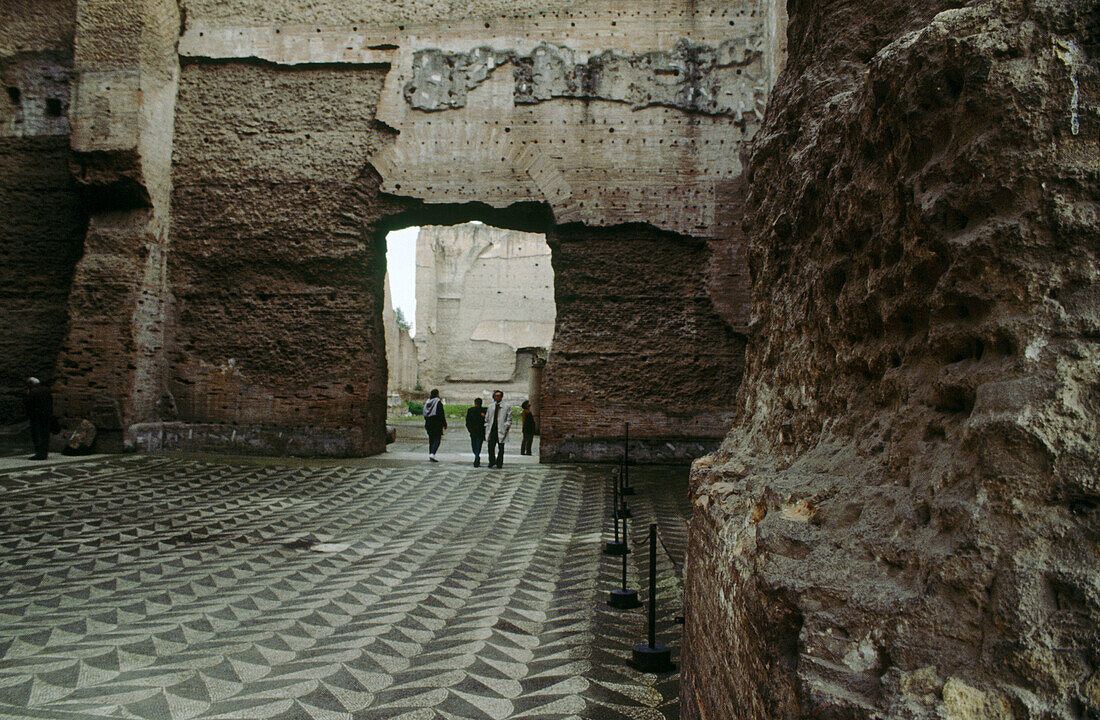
[(1035, 349)]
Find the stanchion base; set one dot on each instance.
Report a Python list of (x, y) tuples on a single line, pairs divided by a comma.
[(628, 490), (615, 548), (625, 513), (623, 599), (656, 659)]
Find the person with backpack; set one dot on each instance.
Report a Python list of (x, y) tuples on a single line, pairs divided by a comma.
[(435, 422)]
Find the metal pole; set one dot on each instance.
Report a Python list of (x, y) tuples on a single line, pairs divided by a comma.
[(626, 489), (652, 585), (624, 555)]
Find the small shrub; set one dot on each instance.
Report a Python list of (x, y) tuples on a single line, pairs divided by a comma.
[(415, 408), (456, 411)]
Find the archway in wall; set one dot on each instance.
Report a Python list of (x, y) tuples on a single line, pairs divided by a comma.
[(278, 233), (479, 301), (637, 337)]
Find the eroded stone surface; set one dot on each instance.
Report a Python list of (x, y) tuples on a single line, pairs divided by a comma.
[(42, 216), (903, 523), (727, 79)]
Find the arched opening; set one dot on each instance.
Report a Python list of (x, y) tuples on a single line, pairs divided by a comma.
[(480, 300), (637, 337)]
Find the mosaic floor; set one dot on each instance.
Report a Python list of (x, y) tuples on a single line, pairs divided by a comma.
[(170, 588)]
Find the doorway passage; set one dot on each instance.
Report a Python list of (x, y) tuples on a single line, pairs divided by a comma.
[(475, 304)]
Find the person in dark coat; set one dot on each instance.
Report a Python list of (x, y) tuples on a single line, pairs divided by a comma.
[(475, 424), (529, 428), (435, 422), (39, 407)]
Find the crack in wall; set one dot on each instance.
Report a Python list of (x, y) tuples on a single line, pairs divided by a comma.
[(729, 79)]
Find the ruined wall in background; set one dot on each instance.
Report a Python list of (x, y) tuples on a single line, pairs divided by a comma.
[(401, 356), (904, 521), (638, 340), (42, 217), (569, 114), (482, 293)]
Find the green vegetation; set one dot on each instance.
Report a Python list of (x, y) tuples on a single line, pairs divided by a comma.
[(402, 322), (456, 410)]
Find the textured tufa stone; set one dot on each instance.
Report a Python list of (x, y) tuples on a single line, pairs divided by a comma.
[(81, 440), (921, 371)]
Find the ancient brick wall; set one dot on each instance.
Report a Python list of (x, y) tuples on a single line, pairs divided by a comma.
[(112, 364), (277, 281), (42, 217), (638, 340), (909, 498), (284, 177)]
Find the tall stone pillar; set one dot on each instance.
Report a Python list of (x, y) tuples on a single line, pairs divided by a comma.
[(127, 74)]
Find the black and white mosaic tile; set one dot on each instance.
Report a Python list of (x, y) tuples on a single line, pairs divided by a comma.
[(174, 588)]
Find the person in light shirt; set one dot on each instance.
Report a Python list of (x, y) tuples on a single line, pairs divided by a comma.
[(498, 420)]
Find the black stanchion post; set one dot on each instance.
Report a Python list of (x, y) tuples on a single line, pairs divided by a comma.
[(616, 547), (652, 656), (621, 598), (626, 488)]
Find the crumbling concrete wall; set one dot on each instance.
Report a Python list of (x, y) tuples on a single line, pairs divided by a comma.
[(482, 294), (401, 355), (42, 216), (904, 521), (570, 158), (277, 277)]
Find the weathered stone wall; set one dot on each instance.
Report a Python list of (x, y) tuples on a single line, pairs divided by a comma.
[(112, 365), (278, 280), (638, 340), (904, 522), (516, 153), (42, 217), (482, 294), (401, 356)]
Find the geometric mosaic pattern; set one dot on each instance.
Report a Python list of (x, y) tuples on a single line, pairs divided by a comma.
[(174, 588)]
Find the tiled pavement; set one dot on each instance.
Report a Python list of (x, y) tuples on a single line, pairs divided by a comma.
[(168, 587)]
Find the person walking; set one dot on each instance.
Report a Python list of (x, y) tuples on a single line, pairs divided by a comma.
[(475, 424), (529, 428), (435, 422), (498, 420), (39, 406)]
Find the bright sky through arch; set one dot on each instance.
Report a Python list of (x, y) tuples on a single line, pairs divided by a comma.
[(401, 266)]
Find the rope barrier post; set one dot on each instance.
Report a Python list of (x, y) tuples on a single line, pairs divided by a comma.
[(652, 656), (616, 547), (621, 598), (626, 488)]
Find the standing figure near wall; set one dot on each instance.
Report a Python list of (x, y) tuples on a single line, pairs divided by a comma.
[(39, 406), (529, 428), (498, 420), (435, 422), (475, 424)]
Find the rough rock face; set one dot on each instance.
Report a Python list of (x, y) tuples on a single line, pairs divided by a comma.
[(277, 283), (632, 311), (904, 522)]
